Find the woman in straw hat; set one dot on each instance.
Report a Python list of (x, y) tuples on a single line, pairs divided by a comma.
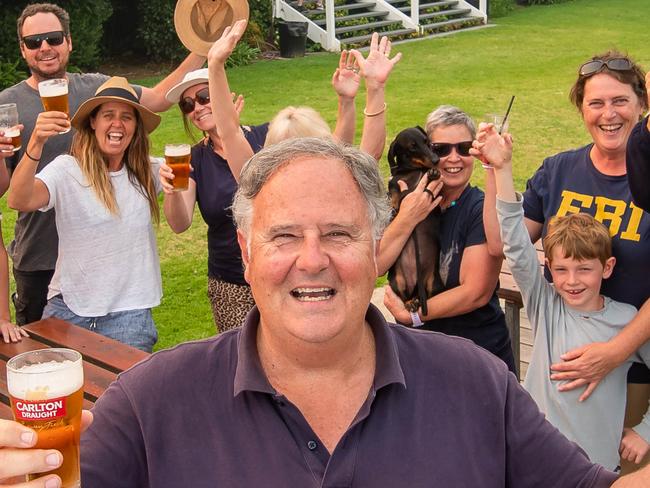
[(215, 174), (107, 275)]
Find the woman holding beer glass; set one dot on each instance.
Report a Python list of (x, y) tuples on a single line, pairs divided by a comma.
[(107, 274)]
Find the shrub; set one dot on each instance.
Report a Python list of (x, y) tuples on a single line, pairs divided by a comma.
[(156, 31), (10, 74), (500, 8)]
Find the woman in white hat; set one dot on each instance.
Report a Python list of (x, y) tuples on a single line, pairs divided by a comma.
[(215, 173), (107, 275)]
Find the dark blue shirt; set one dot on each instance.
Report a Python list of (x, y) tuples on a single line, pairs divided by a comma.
[(215, 189), (440, 413), (638, 164), (461, 227), (569, 183)]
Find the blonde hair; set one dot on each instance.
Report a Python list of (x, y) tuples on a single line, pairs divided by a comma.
[(580, 236), (293, 122), (94, 165)]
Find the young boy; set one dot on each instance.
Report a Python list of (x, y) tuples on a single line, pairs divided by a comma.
[(567, 314)]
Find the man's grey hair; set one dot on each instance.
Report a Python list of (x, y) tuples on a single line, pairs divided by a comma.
[(446, 115), (363, 168)]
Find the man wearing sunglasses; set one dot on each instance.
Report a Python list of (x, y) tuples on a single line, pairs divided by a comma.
[(46, 44)]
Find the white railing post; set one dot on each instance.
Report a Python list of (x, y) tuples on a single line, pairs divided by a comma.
[(330, 25), (415, 11), (482, 6)]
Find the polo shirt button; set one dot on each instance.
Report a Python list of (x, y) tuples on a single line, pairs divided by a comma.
[(311, 445)]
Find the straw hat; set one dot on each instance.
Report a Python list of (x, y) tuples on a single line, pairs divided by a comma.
[(115, 89), (199, 23)]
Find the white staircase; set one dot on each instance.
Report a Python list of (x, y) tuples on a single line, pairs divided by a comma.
[(350, 23)]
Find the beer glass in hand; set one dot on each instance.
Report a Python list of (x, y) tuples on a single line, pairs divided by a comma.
[(46, 392), (177, 157), (54, 95), (9, 124)]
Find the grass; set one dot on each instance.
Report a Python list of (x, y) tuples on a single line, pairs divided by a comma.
[(533, 53)]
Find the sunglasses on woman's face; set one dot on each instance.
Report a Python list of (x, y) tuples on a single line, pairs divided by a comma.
[(443, 149), (597, 65), (54, 38), (187, 104)]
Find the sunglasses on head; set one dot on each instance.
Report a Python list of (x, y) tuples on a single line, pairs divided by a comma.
[(597, 65), (187, 104), (443, 149), (54, 38)]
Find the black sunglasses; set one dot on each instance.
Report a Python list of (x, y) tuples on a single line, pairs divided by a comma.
[(443, 149), (597, 65), (54, 38), (187, 104)]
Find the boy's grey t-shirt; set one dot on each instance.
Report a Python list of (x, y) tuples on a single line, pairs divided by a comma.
[(596, 424)]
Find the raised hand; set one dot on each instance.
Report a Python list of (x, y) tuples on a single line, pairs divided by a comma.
[(49, 124), (491, 147), (224, 46), (346, 79), (6, 147), (377, 66)]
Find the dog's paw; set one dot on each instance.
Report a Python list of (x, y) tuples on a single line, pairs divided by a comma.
[(433, 174), (412, 305)]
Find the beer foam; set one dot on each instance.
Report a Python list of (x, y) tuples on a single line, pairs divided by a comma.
[(11, 132), (52, 90), (46, 380), (176, 151)]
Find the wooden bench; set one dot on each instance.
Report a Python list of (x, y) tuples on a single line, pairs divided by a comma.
[(510, 293), (103, 358)]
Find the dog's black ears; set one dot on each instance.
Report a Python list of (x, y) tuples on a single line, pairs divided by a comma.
[(391, 155), (421, 130)]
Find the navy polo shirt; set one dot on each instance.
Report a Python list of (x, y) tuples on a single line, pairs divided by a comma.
[(215, 190), (441, 413), (637, 161)]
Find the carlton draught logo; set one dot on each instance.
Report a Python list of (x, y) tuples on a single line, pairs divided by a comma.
[(51, 409)]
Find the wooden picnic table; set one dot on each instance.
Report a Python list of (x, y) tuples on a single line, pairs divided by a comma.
[(103, 358), (510, 293)]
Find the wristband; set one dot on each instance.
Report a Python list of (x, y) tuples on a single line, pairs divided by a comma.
[(374, 114), (416, 320)]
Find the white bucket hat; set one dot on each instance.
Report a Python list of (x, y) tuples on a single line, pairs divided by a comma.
[(190, 79)]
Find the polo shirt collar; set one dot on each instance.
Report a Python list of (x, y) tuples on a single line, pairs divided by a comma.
[(249, 374)]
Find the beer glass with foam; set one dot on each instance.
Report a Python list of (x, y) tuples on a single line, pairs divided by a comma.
[(9, 124), (54, 95), (177, 157), (46, 391)]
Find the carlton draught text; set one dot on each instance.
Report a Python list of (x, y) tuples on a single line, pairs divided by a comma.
[(46, 392)]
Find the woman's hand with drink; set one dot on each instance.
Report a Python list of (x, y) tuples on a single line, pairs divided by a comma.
[(49, 124), (166, 175)]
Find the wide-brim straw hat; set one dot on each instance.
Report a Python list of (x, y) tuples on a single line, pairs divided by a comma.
[(116, 89), (199, 23)]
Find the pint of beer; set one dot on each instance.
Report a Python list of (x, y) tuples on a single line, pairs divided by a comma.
[(46, 391), (54, 95), (177, 157), (9, 124)]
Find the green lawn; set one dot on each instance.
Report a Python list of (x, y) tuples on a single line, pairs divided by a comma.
[(533, 53)]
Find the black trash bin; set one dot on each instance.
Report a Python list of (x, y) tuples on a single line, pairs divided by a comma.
[(293, 36)]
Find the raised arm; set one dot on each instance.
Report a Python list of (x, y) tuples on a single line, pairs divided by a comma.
[(345, 82), (375, 70), (178, 206), (236, 148), (26, 193), (154, 98)]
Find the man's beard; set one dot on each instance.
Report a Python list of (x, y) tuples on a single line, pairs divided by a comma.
[(41, 75)]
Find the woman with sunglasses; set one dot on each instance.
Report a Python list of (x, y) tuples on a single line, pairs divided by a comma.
[(611, 96), (216, 168), (468, 305), (104, 193)]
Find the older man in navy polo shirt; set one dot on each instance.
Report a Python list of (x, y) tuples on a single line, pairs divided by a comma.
[(316, 389)]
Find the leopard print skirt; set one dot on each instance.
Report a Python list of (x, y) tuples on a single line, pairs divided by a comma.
[(230, 303)]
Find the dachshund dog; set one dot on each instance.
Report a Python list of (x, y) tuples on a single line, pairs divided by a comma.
[(415, 276)]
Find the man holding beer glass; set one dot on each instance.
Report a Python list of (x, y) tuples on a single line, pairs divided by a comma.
[(46, 44)]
